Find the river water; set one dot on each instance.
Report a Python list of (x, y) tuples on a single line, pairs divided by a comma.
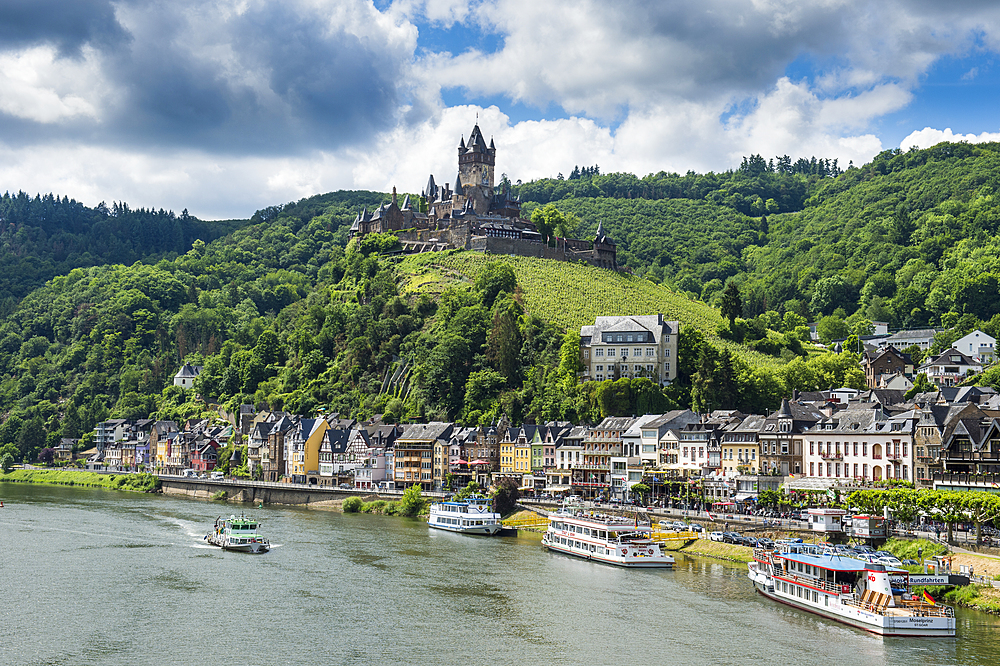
[(98, 577)]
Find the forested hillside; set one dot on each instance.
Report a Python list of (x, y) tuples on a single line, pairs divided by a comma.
[(45, 236), (282, 311), (909, 239)]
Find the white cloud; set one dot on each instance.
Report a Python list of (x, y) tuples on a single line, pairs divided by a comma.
[(929, 136), (38, 86), (226, 106)]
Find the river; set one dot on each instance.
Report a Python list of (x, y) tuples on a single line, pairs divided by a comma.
[(99, 577)]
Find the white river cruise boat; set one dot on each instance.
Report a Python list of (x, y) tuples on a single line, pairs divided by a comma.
[(239, 534), (473, 515), (608, 539), (868, 596)]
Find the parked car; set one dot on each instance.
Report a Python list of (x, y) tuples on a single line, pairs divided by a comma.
[(732, 537), (911, 563), (890, 561), (217, 476), (715, 536), (751, 541), (695, 527), (764, 542)]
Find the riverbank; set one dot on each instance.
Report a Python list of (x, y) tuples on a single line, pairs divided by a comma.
[(716, 549), (140, 483)]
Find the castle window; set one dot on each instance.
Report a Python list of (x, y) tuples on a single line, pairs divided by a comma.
[(628, 338), (611, 351), (599, 351), (619, 338), (650, 351)]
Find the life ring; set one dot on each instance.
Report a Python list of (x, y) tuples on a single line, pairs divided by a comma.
[(624, 551)]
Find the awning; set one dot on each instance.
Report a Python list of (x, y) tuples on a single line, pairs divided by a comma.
[(743, 497), (480, 462)]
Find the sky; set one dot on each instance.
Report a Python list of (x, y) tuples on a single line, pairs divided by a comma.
[(223, 107)]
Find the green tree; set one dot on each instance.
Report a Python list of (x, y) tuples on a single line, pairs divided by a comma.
[(832, 328), (6, 462), (495, 278), (920, 385), (412, 502), (640, 491), (731, 305), (503, 348), (505, 496)]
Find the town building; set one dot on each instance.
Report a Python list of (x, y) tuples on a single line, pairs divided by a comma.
[(884, 363), (861, 444), (414, 453), (950, 368), (186, 375), (978, 345), (631, 346), (781, 438)]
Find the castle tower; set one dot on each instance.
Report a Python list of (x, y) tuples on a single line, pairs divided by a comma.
[(476, 163)]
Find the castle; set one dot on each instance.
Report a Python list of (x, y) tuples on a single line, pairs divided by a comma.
[(476, 215)]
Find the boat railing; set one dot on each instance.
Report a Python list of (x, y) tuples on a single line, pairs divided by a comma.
[(826, 586)]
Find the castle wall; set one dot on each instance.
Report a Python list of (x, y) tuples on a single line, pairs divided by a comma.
[(523, 248), (456, 236)]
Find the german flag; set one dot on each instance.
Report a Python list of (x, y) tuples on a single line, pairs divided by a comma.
[(928, 598)]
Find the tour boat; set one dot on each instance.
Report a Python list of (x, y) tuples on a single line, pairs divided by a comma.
[(472, 515), (869, 596), (608, 539), (239, 534)]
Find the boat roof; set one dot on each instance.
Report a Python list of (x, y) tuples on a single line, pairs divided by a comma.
[(616, 522), (833, 562)]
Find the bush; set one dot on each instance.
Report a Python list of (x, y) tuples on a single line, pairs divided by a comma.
[(352, 505), (221, 495), (376, 506), (412, 502), (906, 549)]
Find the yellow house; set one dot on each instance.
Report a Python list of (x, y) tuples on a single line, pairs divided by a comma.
[(303, 447), (522, 458), (741, 448)]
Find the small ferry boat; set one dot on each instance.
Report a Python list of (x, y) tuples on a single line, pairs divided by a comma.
[(472, 515), (869, 596), (239, 534), (609, 539)]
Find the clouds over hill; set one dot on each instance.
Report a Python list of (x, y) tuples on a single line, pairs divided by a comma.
[(224, 106)]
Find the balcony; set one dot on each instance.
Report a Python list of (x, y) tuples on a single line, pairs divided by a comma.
[(831, 456), (893, 456), (603, 468)]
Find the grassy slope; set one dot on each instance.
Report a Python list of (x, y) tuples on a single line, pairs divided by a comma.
[(56, 477), (571, 295)]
